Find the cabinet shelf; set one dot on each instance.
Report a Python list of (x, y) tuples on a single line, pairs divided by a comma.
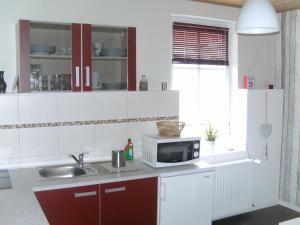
[(109, 58), (36, 56)]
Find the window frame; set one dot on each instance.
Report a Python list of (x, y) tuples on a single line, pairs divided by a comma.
[(233, 50)]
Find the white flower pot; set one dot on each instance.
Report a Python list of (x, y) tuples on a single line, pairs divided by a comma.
[(211, 146)]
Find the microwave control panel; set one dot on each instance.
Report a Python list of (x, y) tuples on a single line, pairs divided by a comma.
[(196, 152)]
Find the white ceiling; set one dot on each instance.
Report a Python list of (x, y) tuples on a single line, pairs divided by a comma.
[(280, 5)]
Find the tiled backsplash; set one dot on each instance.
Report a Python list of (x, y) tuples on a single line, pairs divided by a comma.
[(44, 127)]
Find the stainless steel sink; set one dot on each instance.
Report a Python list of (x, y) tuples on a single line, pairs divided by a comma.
[(61, 172), (69, 171)]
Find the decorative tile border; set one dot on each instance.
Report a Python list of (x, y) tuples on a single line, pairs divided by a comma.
[(90, 122)]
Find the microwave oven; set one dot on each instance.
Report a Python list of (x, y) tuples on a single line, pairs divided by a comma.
[(171, 151)]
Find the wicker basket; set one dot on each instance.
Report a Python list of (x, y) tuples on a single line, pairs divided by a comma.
[(170, 128)]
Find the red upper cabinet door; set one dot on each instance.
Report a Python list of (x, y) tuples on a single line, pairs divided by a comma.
[(74, 206), (131, 202), (76, 57), (87, 56), (24, 26), (131, 58)]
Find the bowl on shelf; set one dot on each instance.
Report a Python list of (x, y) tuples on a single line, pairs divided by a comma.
[(42, 49), (64, 51), (114, 52), (113, 86)]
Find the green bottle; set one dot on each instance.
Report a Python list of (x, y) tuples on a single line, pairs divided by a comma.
[(129, 150)]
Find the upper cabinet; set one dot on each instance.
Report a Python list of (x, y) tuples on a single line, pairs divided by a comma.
[(77, 57)]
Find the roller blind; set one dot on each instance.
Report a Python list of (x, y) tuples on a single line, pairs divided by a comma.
[(198, 44)]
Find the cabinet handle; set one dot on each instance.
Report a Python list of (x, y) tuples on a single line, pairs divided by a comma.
[(77, 76), (118, 189), (85, 194), (87, 76), (163, 191)]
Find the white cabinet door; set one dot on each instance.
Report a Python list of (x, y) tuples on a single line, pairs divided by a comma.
[(266, 175), (187, 199)]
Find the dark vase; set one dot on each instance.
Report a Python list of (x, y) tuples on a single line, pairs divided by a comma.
[(2, 83)]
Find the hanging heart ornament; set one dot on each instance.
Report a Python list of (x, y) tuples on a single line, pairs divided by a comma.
[(266, 130)]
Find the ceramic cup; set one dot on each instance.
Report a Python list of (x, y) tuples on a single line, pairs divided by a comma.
[(97, 48)]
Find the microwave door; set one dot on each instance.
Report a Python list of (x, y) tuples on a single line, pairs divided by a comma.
[(170, 157), (174, 152)]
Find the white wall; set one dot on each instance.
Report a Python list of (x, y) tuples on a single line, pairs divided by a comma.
[(153, 22), (257, 58)]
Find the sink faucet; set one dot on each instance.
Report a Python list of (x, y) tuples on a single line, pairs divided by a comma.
[(80, 158)]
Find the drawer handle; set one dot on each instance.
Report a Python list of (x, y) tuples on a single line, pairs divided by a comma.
[(118, 189), (85, 194)]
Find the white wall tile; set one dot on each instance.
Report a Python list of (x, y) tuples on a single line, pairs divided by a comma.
[(38, 108), (104, 155), (76, 139), (142, 104), (75, 107), (137, 130), (110, 105), (65, 156), (39, 160), (168, 103), (38, 141), (109, 137), (9, 109), (9, 143)]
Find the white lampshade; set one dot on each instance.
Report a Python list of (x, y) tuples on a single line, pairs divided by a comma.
[(258, 17)]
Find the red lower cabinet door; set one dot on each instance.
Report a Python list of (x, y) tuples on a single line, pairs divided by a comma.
[(71, 206), (131, 202)]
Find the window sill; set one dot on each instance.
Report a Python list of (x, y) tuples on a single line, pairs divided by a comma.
[(225, 156)]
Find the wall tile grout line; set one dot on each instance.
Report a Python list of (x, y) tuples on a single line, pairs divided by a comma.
[(94, 125), (57, 129), (88, 122), (19, 133)]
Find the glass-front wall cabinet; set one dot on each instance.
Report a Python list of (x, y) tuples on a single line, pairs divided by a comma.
[(50, 57), (109, 58), (76, 57)]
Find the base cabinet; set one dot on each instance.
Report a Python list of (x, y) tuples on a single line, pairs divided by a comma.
[(131, 202), (187, 199), (76, 206)]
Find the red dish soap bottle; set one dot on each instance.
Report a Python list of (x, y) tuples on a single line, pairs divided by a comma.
[(129, 150)]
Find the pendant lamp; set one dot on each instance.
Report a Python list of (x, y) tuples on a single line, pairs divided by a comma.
[(257, 17)]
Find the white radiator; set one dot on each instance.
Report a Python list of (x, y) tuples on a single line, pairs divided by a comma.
[(233, 189)]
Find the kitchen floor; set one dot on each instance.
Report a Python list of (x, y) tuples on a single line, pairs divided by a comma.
[(267, 216)]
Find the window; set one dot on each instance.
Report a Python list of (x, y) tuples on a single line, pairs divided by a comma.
[(201, 73)]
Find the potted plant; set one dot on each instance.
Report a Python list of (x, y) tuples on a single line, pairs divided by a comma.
[(210, 136)]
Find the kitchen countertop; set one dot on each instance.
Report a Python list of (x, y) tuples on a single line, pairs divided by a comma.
[(18, 205)]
